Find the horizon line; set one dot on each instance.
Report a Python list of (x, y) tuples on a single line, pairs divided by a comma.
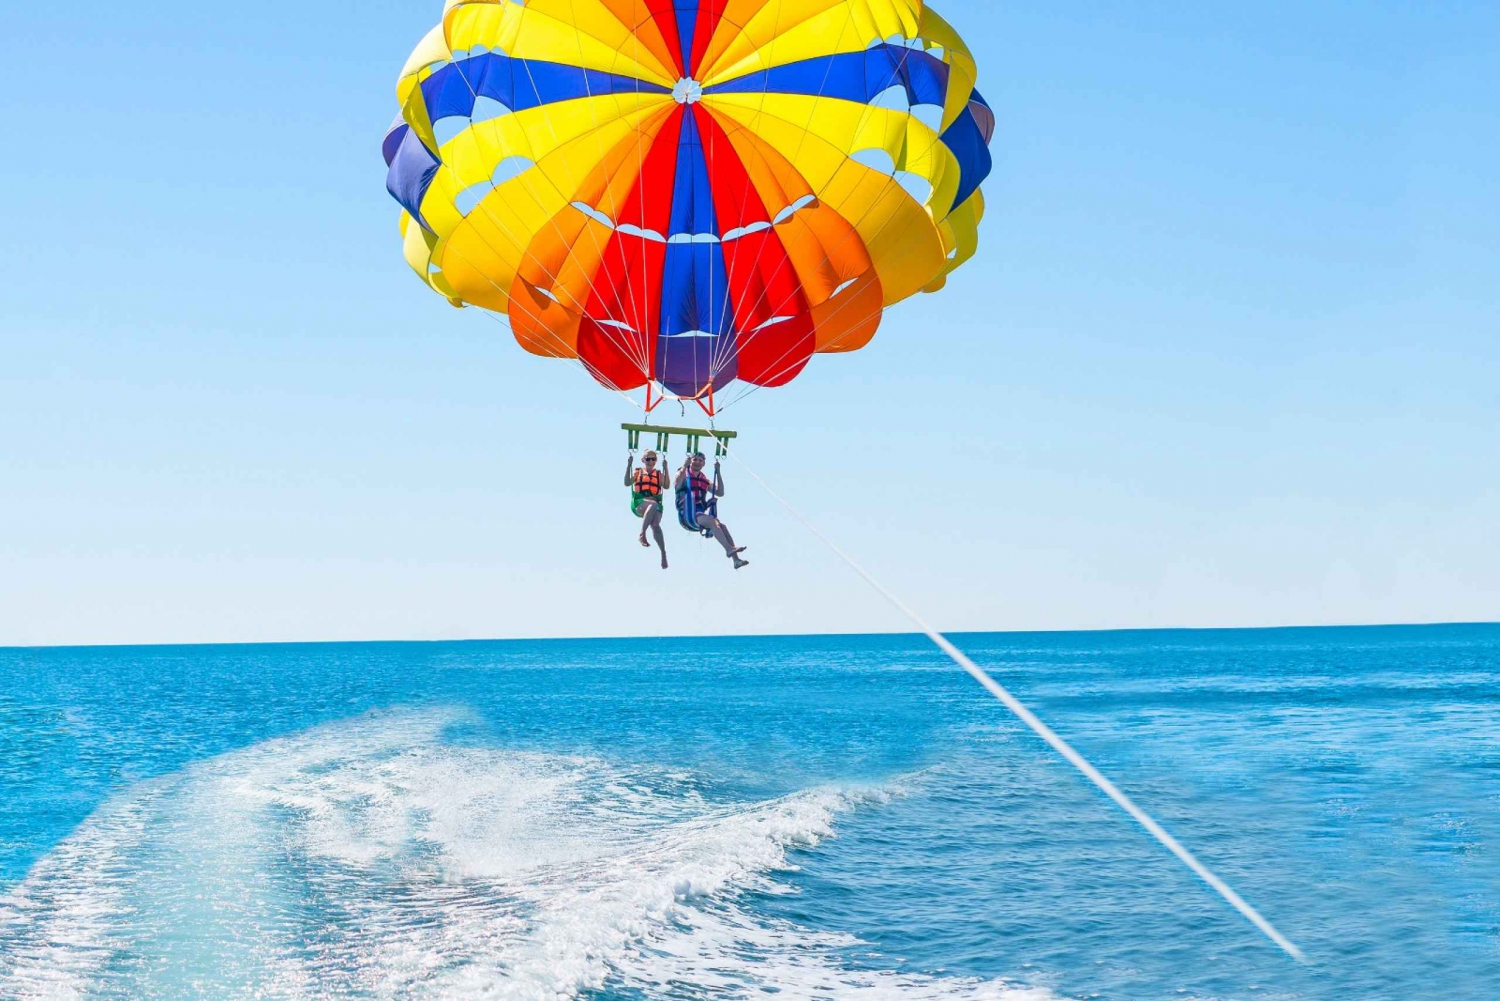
[(747, 636)]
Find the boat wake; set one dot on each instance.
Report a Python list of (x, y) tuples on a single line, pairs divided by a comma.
[(375, 859)]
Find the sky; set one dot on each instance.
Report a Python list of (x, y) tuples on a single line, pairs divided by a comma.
[(1227, 356)]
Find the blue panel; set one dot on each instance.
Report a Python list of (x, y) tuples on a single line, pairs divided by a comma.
[(693, 298), (984, 116), (687, 24), (692, 197), (966, 140), (410, 175), (393, 139), (693, 293), (519, 84), (695, 283), (851, 76)]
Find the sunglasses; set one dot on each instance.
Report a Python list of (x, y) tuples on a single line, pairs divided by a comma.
[(648, 460)]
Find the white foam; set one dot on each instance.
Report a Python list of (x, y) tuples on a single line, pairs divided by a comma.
[(57, 928), (374, 858)]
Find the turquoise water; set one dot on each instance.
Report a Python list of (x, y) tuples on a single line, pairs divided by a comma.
[(798, 818)]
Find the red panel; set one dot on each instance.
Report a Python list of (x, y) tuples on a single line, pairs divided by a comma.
[(627, 286), (763, 284), (665, 17), (710, 12)]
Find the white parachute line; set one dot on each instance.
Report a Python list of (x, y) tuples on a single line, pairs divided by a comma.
[(1045, 732), (720, 355), (805, 129), (643, 316), (566, 351), (599, 147), (582, 364), (884, 190), (721, 320), (564, 354), (508, 233), (636, 352), (730, 352), (643, 351), (714, 347), (852, 234), (639, 355), (751, 389)]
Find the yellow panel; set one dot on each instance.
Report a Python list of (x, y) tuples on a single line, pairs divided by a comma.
[(824, 249), (566, 267), (899, 234), (542, 325), (636, 16), (416, 245), (431, 49), (925, 155), (745, 21), (785, 33), (962, 71), (471, 157), (575, 32), (495, 240), (961, 230), (737, 14), (797, 121), (774, 38), (480, 260), (818, 133)]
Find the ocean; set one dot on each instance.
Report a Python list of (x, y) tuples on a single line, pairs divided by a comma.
[(792, 818)]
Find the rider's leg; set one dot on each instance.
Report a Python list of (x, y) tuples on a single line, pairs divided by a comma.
[(720, 530), (730, 549), (652, 520)]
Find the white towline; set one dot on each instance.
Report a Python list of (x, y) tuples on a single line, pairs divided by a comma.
[(1044, 731)]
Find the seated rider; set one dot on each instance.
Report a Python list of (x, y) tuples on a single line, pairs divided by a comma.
[(647, 485), (698, 505)]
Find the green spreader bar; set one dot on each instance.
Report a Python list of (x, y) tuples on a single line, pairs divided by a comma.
[(694, 437)]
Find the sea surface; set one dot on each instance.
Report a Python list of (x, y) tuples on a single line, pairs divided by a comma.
[(771, 818)]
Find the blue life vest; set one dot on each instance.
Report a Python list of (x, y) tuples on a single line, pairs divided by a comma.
[(693, 500)]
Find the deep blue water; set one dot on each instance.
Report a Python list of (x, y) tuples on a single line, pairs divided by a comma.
[(808, 817)]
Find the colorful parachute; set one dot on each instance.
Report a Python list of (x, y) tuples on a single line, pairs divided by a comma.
[(688, 192)]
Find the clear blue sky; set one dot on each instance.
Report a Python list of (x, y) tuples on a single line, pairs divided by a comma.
[(1228, 354)]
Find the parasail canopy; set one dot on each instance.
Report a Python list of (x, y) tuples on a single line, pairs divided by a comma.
[(688, 192)]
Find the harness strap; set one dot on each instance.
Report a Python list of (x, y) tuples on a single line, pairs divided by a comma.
[(687, 507)]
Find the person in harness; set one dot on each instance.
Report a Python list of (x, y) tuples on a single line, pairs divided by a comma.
[(698, 505), (647, 485)]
